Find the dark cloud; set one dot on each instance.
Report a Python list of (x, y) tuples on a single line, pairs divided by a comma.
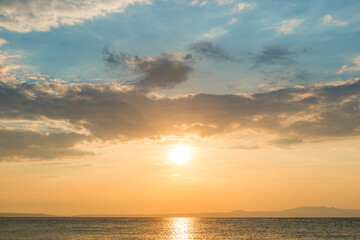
[(112, 57), (289, 116), (276, 55), (285, 77), (286, 142), (278, 64), (211, 51), (27, 144), (161, 72), (164, 71)]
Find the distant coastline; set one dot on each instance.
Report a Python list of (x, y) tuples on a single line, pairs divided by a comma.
[(300, 212)]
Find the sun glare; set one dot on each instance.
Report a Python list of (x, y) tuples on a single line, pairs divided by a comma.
[(180, 154)]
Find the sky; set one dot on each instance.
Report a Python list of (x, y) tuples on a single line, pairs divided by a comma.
[(178, 106)]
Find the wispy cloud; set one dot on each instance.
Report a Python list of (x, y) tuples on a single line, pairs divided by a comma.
[(242, 6), (215, 32), (197, 2), (236, 6), (222, 2), (2, 41), (221, 30), (8, 65), (37, 15), (287, 26), (232, 21), (209, 50), (328, 19), (277, 55), (354, 68)]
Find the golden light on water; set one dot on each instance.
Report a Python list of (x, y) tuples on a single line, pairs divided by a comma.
[(180, 154), (181, 228)]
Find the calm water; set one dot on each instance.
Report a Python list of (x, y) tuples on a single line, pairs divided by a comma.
[(178, 228)]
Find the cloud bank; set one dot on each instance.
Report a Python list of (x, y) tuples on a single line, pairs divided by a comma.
[(288, 116), (28, 144)]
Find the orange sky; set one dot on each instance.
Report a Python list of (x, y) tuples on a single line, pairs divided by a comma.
[(139, 178)]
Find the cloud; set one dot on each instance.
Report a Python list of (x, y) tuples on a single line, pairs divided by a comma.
[(222, 2), (222, 29), (275, 55), (194, 2), (278, 64), (209, 50), (354, 68), (288, 26), (280, 78), (232, 21), (113, 57), (328, 19), (164, 71), (15, 145), (3, 41), (242, 6), (197, 2), (238, 7), (285, 117), (8, 65), (42, 15), (286, 142), (215, 32)]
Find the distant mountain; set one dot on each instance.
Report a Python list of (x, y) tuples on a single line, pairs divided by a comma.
[(301, 212), (296, 212), (24, 215)]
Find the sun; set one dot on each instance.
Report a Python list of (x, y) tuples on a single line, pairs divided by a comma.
[(180, 154)]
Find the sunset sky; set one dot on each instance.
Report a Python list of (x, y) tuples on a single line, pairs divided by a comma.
[(178, 106)]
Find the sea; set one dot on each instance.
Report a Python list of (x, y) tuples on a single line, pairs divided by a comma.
[(180, 228)]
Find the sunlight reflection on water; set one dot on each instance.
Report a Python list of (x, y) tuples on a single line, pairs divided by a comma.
[(181, 228)]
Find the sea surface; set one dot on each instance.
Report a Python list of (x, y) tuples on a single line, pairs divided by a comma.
[(180, 228)]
